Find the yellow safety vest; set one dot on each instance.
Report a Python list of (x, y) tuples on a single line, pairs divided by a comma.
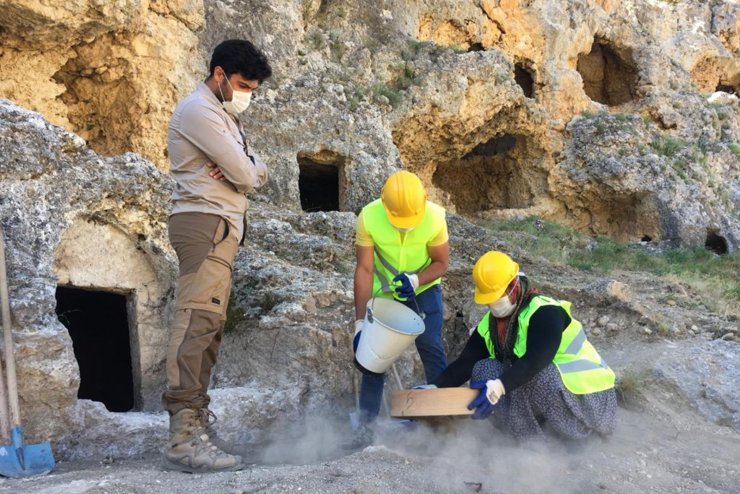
[(394, 255), (581, 368)]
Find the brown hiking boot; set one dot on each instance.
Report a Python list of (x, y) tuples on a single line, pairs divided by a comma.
[(190, 449), (207, 420)]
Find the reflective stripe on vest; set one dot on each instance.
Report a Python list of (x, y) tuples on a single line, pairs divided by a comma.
[(393, 256), (384, 283), (581, 368)]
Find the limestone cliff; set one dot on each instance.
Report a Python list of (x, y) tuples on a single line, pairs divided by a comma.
[(109, 71), (476, 97)]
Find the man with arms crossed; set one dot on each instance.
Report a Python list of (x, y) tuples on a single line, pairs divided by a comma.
[(214, 169)]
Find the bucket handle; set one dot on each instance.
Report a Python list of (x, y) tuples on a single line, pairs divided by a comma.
[(370, 318)]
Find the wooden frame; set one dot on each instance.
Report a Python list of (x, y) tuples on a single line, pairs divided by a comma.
[(440, 402)]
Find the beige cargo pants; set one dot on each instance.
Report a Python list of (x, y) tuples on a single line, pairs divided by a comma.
[(206, 247)]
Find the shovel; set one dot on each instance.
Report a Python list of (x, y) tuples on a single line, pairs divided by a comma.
[(16, 459)]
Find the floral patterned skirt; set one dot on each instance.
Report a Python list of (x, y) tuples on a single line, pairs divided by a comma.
[(544, 403)]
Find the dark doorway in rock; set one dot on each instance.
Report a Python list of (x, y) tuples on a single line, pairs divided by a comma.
[(716, 243), (524, 78), (319, 183), (495, 146), (609, 75), (99, 327), (725, 88), (476, 47), (646, 238)]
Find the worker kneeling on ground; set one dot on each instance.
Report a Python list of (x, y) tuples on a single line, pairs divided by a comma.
[(531, 360), (402, 253)]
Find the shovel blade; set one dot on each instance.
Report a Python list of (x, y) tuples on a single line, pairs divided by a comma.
[(25, 460), (29, 460)]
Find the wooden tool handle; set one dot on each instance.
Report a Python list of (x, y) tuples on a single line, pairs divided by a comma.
[(15, 413)]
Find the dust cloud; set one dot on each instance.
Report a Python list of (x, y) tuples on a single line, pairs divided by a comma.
[(456, 455), (315, 438), (463, 455)]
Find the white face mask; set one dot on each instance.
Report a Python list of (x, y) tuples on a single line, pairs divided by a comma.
[(239, 100), (502, 307), (404, 230)]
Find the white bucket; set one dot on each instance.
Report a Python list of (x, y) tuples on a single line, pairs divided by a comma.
[(389, 328)]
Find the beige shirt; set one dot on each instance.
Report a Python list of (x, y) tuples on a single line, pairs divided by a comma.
[(200, 130)]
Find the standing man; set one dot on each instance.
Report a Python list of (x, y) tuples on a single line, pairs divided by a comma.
[(214, 169), (402, 253)]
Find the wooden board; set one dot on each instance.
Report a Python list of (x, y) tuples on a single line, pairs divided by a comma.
[(442, 402)]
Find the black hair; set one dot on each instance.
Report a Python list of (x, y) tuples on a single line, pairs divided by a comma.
[(240, 56)]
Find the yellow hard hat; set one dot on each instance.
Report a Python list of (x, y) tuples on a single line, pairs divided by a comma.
[(405, 199), (492, 273)]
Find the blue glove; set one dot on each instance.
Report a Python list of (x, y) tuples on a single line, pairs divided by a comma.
[(425, 386), (483, 407), (408, 283)]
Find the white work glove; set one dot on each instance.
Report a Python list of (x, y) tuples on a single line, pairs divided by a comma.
[(494, 390), (406, 284), (356, 337), (414, 279)]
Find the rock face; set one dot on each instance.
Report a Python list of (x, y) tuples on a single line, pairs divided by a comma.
[(505, 108), (478, 98), (713, 370), (597, 114), (73, 218), (643, 183), (108, 71)]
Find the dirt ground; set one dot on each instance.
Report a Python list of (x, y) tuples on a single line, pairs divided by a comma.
[(661, 445), (646, 454)]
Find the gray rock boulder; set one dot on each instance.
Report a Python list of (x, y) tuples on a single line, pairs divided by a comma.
[(706, 376)]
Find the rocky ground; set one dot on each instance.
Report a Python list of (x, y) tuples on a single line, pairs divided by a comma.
[(677, 430), (661, 445)]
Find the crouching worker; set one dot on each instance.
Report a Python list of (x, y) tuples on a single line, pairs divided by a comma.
[(531, 360), (402, 253)]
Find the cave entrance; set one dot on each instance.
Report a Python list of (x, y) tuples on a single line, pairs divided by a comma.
[(499, 173), (98, 324), (524, 79), (609, 75), (716, 243), (321, 182), (726, 88), (712, 74)]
